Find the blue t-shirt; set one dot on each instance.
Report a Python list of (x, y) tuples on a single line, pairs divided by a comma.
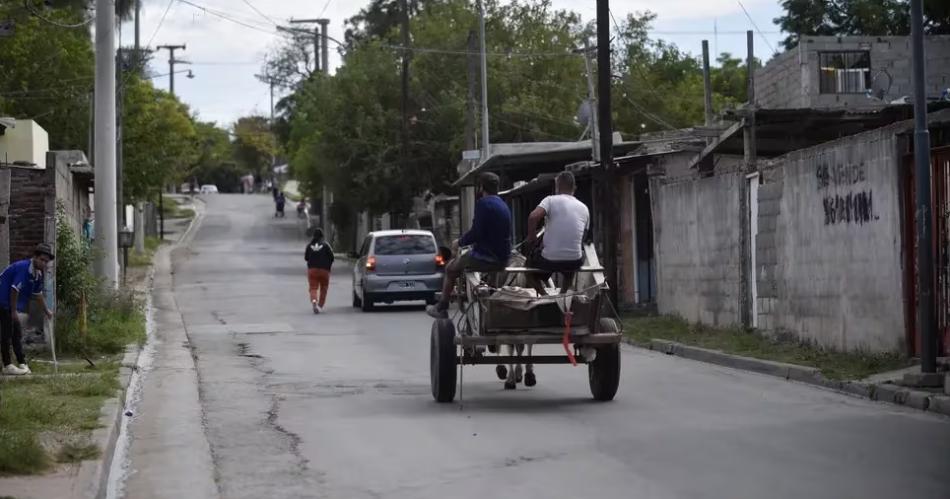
[(491, 231), (27, 280)]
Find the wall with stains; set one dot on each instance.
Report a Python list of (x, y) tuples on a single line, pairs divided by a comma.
[(698, 250), (828, 250)]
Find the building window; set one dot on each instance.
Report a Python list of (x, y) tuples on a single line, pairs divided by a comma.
[(844, 72)]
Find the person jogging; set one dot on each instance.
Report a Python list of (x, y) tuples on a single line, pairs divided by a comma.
[(319, 256)]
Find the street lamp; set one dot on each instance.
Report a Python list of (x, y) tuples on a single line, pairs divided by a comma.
[(125, 242)]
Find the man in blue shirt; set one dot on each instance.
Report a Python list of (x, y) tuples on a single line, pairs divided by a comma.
[(490, 238), (19, 283)]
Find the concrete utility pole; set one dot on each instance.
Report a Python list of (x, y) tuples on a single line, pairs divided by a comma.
[(707, 84), (138, 14), (607, 173), (486, 140), (926, 323), (324, 45), (592, 102), (406, 56), (467, 192), (171, 89), (107, 233)]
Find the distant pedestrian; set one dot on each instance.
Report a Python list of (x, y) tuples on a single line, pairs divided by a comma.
[(319, 256), (280, 202), (19, 283)]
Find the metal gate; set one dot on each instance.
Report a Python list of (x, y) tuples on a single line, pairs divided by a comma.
[(940, 184), (940, 161)]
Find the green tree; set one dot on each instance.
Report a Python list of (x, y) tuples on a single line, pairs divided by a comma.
[(255, 145), (160, 140), (858, 17), (47, 73)]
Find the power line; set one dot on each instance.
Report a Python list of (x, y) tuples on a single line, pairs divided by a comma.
[(756, 27), (29, 6), (160, 22), (226, 17), (255, 9), (325, 8)]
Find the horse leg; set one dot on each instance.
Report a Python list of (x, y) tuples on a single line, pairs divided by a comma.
[(511, 381), (529, 378), (519, 369)]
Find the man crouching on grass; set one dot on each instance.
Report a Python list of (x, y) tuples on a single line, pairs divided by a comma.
[(19, 283)]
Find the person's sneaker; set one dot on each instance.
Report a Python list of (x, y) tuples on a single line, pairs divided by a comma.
[(12, 370), (438, 311), (25, 368), (316, 308)]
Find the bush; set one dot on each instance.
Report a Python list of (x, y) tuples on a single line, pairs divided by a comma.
[(113, 319)]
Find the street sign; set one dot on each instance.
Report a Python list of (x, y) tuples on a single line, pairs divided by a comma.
[(472, 154)]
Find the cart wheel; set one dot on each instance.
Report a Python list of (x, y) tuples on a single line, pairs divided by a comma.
[(356, 301), (442, 360), (367, 303), (604, 371)]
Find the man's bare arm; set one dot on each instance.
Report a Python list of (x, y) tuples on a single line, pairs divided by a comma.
[(534, 219)]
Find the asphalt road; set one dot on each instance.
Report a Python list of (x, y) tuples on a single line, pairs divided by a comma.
[(289, 404)]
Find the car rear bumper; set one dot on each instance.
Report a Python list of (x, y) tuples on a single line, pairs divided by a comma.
[(402, 287)]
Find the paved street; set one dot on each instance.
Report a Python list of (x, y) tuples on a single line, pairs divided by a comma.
[(338, 405)]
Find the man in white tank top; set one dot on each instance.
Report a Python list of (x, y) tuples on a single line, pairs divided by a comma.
[(565, 221)]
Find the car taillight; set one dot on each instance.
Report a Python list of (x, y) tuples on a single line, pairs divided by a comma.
[(439, 261), (371, 263)]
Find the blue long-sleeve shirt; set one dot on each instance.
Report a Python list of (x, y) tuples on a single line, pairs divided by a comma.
[(491, 230)]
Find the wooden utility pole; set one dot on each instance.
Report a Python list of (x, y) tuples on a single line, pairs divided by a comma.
[(607, 173)]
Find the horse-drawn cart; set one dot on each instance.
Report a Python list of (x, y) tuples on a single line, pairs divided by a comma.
[(502, 316)]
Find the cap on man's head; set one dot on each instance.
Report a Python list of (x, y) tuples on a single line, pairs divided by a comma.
[(44, 249)]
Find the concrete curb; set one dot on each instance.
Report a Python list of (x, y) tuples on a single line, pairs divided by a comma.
[(93, 476), (882, 392)]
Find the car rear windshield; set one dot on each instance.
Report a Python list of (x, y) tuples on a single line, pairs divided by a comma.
[(405, 245)]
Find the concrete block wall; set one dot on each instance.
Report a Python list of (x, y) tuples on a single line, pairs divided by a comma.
[(776, 88), (698, 252), (779, 84), (828, 249)]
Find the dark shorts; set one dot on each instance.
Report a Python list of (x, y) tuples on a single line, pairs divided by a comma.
[(466, 262)]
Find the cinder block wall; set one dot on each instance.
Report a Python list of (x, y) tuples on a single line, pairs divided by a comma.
[(698, 251), (791, 80), (828, 250)]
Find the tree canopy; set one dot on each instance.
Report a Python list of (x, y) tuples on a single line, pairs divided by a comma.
[(858, 17)]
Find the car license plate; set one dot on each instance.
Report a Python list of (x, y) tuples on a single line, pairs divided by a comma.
[(403, 284)]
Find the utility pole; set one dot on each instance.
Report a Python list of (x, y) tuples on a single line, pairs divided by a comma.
[(324, 45), (607, 173), (592, 103), (107, 234), (486, 140), (926, 324), (707, 84), (171, 89), (406, 55), (138, 14), (320, 54), (746, 271), (120, 136), (467, 192)]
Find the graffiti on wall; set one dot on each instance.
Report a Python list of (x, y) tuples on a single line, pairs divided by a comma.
[(856, 206)]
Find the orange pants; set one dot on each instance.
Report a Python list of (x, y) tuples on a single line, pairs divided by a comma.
[(319, 280)]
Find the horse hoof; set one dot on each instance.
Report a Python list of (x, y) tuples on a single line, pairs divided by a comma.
[(530, 379), (501, 372), (518, 374), (510, 385)]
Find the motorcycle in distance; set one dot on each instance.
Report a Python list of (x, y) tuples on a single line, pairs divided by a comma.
[(302, 209)]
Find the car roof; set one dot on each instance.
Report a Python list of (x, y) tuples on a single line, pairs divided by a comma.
[(401, 232)]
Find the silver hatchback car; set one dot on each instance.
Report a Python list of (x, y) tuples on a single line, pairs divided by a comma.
[(397, 265)]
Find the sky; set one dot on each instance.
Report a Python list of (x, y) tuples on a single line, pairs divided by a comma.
[(225, 55)]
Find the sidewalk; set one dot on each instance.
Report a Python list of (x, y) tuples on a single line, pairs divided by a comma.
[(89, 479), (877, 377)]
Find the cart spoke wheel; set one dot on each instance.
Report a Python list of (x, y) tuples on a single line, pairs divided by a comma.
[(442, 361), (604, 371)]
